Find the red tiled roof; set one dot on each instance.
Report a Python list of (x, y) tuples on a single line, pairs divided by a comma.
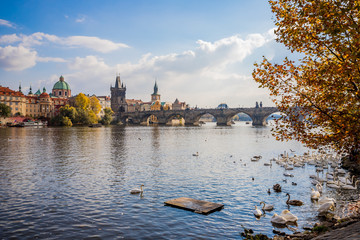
[(9, 92)]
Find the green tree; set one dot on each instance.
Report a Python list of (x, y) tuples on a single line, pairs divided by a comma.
[(66, 122), (67, 111), (95, 104), (82, 101), (107, 118), (323, 85), (5, 110), (82, 117)]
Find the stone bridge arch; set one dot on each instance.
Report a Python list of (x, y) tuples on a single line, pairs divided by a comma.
[(171, 115), (192, 117)]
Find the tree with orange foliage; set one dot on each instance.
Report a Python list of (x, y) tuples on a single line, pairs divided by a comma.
[(319, 93)]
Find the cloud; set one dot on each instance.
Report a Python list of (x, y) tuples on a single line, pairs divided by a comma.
[(94, 43), (39, 38), (6, 23), (50, 59), (80, 19), (211, 73), (8, 39), (17, 58)]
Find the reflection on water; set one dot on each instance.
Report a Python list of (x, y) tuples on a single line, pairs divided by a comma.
[(75, 182)]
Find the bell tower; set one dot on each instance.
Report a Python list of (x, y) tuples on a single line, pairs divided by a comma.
[(155, 96)]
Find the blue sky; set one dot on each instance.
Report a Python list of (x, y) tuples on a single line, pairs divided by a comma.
[(201, 52)]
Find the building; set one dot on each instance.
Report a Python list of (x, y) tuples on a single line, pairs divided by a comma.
[(155, 96), (14, 99), (118, 96), (61, 89), (105, 102), (46, 105), (38, 104), (134, 105), (177, 105)]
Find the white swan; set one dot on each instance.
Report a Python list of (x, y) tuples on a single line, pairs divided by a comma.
[(324, 208), (267, 207), (315, 195), (350, 187), (136, 190), (347, 180), (335, 185), (288, 216), (319, 188), (326, 200), (278, 219), (196, 154), (257, 212)]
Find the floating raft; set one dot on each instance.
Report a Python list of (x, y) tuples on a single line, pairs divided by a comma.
[(198, 206)]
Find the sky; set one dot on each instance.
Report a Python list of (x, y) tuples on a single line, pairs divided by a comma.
[(201, 52)]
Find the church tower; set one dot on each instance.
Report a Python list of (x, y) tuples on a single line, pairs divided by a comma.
[(118, 100), (155, 96)]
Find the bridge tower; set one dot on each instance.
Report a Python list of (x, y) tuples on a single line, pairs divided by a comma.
[(118, 100)]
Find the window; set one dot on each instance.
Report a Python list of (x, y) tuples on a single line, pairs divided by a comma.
[(59, 93), (65, 93)]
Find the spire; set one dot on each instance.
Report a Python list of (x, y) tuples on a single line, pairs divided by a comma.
[(44, 89), (118, 82), (20, 87), (30, 92), (155, 88)]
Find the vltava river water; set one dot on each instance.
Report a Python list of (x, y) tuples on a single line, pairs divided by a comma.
[(74, 183)]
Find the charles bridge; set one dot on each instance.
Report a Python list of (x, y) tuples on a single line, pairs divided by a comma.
[(192, 116)]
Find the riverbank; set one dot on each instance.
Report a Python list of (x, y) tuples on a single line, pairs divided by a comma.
[(333, 228), (330, 226)]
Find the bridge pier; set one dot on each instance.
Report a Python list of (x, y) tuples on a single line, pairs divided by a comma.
[(191, 121), (222, 121), (258, 120)]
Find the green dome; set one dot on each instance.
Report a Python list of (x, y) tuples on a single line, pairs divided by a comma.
[(61, 84)]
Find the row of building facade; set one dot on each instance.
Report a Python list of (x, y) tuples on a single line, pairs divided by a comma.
[(41, 104), (47, 105)]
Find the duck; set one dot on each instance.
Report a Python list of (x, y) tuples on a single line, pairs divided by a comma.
[(315, 195), (277, 187), (267, 207), (136, 190), (288, 216), (293, 202), (257, 212), (196, 154), (278, 219)]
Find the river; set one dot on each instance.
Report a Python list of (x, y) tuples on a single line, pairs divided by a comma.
[(74, 183)]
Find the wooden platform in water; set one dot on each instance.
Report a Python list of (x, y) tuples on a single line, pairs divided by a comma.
[(198, 206)]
